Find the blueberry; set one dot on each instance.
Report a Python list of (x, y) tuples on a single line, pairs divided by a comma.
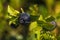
[(53, 23), (24, 18)]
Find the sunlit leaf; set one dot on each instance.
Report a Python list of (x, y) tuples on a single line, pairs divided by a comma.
[(12, 12), (33, 25)]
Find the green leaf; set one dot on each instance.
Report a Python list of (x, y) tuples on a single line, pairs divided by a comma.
[(34, 18), (48, 26), (12, 11), (40, 23), (49, 19)]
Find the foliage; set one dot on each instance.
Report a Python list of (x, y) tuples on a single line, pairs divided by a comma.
[(41, 21), (36, 21)]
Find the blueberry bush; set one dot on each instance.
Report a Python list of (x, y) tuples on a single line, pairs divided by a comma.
[(29, 20)]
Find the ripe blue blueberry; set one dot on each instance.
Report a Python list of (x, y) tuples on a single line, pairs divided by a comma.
[(24, 18)]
